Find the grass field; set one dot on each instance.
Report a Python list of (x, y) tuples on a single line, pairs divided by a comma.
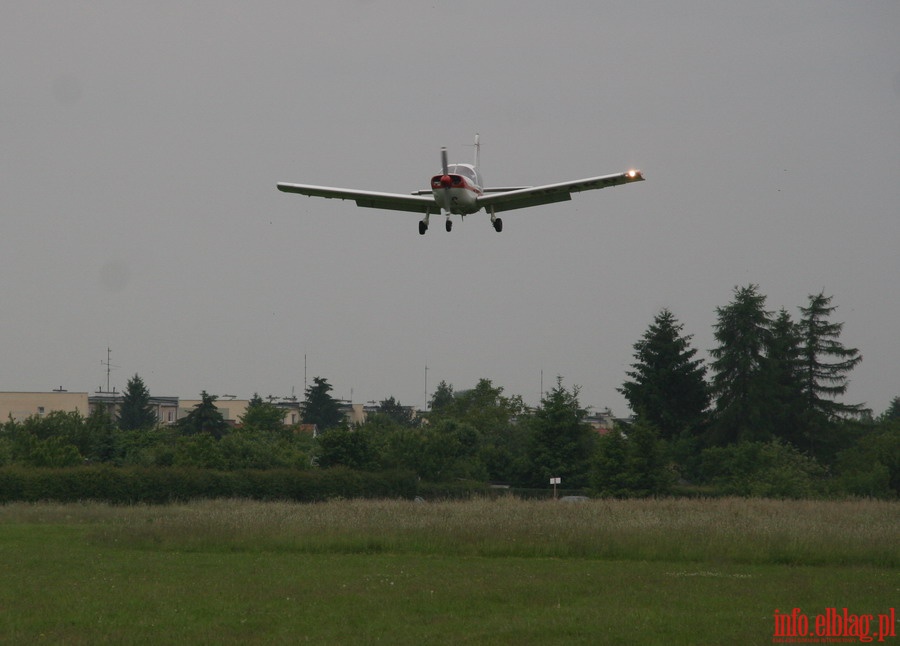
[(482, 572)]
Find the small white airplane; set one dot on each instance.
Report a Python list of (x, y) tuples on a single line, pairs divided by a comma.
[(459, 190)]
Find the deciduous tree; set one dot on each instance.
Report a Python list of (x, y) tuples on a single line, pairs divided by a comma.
[(502, 440), (351, 448), (262, 416)]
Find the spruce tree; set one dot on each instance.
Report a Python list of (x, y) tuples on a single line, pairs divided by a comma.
[(396, 412), (320, 408), (562, 443), (667, 387), (893, 411), (786, 407), (629, 463), (740, 383), (136, 411), (204, 418), (442, 398), (824, 380)]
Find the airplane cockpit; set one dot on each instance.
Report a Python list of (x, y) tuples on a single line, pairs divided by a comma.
[(466, 171)]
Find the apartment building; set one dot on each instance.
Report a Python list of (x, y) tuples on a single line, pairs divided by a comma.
[(19, 406)]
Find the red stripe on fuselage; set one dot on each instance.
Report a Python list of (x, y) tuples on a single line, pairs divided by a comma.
[(458, 182), (465, 203)]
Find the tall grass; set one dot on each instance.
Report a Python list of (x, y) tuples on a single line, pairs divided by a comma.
[(733, 530)]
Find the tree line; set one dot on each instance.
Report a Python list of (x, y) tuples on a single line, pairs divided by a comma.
[(762, 417)]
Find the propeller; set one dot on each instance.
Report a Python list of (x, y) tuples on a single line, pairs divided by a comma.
[(445, 177), (446, 183)]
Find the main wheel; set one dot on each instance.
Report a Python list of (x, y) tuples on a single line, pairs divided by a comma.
[(498, 225), (422, 227), (449, 225)]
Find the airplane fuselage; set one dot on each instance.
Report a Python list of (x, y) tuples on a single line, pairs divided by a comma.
[(458, 191)]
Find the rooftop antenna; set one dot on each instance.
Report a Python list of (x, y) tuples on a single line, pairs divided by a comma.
[(109, 367)]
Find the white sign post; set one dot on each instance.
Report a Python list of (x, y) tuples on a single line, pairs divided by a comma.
[(554, 482)]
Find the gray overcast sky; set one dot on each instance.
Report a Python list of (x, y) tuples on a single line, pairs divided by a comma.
[(141, 144)]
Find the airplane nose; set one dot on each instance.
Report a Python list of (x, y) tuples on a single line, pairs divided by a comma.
[(446, 182)]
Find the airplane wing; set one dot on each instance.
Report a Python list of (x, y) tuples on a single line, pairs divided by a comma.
[(370, 199), (534, 195)]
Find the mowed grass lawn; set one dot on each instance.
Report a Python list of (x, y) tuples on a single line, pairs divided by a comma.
[(482, 572)]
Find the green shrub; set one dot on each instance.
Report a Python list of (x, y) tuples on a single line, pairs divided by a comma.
[(872, 467), (158, 486), (761, 469), (631, 464)]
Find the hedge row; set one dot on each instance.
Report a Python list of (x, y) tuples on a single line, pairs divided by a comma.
[(160, 486)]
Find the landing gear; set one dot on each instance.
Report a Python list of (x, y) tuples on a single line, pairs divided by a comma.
[(497, 222), (449, 225), (423, 227)]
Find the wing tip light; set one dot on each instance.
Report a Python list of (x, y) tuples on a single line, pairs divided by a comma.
[(634, 175)]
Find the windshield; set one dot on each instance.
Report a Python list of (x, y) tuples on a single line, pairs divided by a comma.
[(466, 171)]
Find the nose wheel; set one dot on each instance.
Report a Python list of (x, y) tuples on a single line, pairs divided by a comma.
[(449, 225)]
